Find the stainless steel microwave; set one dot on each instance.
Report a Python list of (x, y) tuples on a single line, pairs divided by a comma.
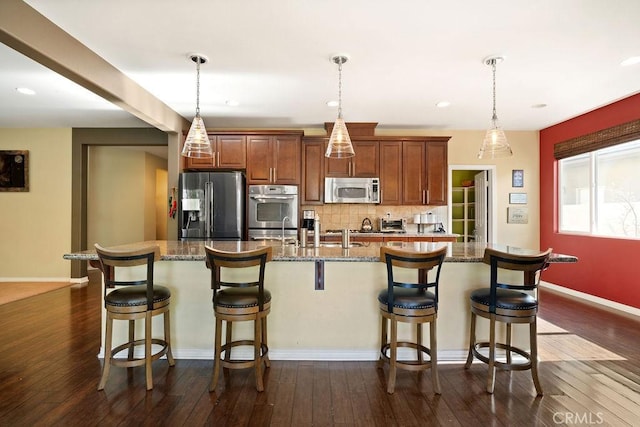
[(352, 190)]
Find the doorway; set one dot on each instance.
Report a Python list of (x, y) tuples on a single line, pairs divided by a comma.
[(472, 203)]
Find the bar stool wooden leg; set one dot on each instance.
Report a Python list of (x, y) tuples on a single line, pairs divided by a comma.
[(492, 354), (217, 359), (533, 331), (393, 356), (257, 349), (229, 334), (147, 350), (132, 338), (419, 354), (508, 349), (383, 340), (267, 362), (167, 337), (108, 338), (433, 345), (472, 341)]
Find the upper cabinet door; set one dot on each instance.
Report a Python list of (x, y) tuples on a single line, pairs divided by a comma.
[(273, 159), (231, 152), (286, 159), (312, 190), (364, 164), (391, 172), (437, 169), (414, 174), (259, 159)]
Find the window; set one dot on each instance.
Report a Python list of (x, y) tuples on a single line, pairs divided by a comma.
[(600, 192)]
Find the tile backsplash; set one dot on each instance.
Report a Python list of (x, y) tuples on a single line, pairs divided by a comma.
[(340, 215)]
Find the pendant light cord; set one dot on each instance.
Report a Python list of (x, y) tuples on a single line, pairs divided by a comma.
[(493, 68), (198, 59), (340, 88)]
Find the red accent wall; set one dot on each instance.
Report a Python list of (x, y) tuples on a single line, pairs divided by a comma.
[(607, 268)]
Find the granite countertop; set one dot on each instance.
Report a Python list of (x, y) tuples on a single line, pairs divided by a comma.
[(387, 234), (172, 250)]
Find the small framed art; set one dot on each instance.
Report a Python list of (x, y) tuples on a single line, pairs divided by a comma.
[(14, 170), (518, 198), (517, 178)]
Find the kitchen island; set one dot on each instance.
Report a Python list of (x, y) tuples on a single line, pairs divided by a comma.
[(324, 300)]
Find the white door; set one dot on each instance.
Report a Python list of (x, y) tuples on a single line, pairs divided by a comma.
[(481, 207)]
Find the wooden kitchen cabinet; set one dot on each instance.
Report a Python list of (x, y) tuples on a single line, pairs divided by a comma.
[(437, 170), (229, 152), (363, 165), (273, 159), (424, 173), (312, 191), (391, 172)]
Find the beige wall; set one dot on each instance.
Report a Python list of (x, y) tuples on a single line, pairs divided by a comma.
[(35, 226), (121, 201)]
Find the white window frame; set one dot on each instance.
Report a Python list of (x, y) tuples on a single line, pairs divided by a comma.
[(593, 196)]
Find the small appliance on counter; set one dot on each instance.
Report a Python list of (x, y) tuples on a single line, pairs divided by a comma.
[(308, 218), (393, 225)]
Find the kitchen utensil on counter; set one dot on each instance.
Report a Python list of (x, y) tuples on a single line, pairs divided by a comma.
[(366, 225)]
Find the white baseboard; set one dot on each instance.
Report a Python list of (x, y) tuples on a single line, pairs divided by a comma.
[(626, 309)]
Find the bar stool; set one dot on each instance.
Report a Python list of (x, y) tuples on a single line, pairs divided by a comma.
[(240, 296), (133, 300), (410, 302), (507, 302)]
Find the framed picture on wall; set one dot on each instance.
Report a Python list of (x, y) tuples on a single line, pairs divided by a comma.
[(517, 178), (14, 170)]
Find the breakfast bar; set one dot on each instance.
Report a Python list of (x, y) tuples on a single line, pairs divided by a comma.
[(324, 299)]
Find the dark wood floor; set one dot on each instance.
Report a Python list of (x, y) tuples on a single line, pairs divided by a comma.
[(49, 373)]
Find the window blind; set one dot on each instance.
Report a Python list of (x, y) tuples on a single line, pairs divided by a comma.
[(601, 139)]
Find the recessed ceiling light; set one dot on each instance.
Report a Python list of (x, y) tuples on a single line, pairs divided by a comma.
[(332, 103), (631, 61), (231, 103), (25, 91), (443, 104), (538, 105)]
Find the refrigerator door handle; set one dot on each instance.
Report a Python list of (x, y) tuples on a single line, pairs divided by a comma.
[(208, 209)]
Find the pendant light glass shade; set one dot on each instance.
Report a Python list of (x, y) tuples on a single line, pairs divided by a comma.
[(495, 142), (197, 143), (339, 141)]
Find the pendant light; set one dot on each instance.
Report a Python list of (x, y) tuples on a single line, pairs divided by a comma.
[(495, 142), (339, 141), (197, 143)]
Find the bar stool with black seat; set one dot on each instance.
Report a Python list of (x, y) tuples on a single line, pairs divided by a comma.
[(412, 301), (237, 299), (510, 301), (132, 300)]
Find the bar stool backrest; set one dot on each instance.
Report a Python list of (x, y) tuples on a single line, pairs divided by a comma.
[(217, 259), (111, 258), (531, 266), (422, 261)]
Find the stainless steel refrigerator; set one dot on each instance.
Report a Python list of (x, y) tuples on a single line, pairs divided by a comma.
[(211, 205)]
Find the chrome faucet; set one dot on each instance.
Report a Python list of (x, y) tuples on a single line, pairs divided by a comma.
[(286, 218)]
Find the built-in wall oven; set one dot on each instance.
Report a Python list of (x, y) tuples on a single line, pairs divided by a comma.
[(273, 212)]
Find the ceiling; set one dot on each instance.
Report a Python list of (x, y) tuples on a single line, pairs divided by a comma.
[(273, 58)]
